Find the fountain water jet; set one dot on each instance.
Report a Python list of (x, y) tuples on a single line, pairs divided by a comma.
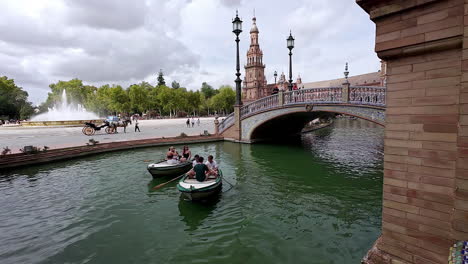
[(63, 114)]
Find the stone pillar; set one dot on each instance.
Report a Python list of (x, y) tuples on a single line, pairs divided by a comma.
[(280, 98), (345, 92), (425, 192), (216, 123), (237, 122)]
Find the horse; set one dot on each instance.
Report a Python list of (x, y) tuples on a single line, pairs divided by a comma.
[(121, 123)]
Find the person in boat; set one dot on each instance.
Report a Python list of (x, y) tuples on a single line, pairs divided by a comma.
[(186, 153), (212, 165), (171, 160), (195, 160), (200, 171)]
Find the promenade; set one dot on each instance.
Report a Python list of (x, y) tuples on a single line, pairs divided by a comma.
[(62, 137)]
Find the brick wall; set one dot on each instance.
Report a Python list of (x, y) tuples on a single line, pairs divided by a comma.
[(460, 216), (425, 194)]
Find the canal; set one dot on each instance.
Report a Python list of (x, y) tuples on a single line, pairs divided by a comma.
[(314, 198)]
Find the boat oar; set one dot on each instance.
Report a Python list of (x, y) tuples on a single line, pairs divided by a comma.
[(162, 184)]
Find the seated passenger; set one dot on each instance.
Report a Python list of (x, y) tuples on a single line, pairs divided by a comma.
[(195, 160), (169, 152), (171, 160), (199, 171), (212, 165)]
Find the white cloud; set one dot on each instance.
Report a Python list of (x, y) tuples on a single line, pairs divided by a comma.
[(125, 42)]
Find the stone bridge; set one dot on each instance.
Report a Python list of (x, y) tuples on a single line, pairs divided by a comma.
[(288, 112)]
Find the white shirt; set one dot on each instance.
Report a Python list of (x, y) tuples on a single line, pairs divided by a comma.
[(194, 163), (212, 165), (172, 162)]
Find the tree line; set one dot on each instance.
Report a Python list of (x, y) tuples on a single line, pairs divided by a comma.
[(14, 102), (141, 98)]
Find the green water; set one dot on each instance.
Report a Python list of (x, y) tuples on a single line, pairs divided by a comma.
[(311, 199)]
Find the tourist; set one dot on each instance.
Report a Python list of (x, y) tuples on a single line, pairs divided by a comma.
[(193, 121), (171, 160), (188, 122), (195, 160), (211, 164), (136, 126), (175, 153), (199, 171), (186, 153), (198, 121)]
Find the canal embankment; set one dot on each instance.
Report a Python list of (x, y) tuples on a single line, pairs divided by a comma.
[(16, 160)]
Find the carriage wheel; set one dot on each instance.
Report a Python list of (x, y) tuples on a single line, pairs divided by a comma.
[(110, 130), (83, 130), (88, 131)]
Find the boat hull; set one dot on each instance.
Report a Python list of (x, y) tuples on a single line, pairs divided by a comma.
[(176, 170), (196, 191)]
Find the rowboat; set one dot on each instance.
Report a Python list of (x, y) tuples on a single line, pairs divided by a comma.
[(195, 190), (162, 168)]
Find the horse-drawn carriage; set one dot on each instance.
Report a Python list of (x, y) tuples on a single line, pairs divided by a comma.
[(110, 125)]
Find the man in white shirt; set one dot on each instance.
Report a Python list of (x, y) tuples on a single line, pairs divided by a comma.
[(195, 160), (171, 160), (211, 164)]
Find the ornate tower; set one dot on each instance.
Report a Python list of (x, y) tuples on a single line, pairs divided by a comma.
[(254, 80)]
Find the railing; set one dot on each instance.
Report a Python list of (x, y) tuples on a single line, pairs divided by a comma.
[(367, 95), (226, 122), (359, 95), (313, 95), (260, 105)]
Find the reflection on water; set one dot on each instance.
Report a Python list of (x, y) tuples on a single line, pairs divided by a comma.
[(310, 199)]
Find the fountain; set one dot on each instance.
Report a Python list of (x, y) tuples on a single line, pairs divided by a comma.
[(63, 114)]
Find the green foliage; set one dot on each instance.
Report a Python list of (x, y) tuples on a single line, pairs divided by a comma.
[(208, 90), (161, 81), (175, 85), (13, 100), (141, 98)]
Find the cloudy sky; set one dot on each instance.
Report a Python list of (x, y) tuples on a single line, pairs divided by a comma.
[(128, 41)]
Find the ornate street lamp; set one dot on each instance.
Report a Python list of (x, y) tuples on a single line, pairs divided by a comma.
[(290, 42), (237, 29), (276, 75)]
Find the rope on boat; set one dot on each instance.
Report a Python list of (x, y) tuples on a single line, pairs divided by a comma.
[(232, 186)]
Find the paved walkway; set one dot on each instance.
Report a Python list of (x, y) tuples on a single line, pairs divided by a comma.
[(60, 137)]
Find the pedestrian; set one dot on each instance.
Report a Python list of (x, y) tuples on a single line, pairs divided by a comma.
[(198, 121), (136, 125), (188, 122), (193, 121)]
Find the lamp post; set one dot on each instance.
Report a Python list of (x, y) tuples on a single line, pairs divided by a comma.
[(276, 75), (237, 29), (290, 44)]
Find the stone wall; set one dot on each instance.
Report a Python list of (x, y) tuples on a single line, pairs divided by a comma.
[(425, 177)]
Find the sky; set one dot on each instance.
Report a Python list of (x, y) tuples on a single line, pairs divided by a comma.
[(128, 41)]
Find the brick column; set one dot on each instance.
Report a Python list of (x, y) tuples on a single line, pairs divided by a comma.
[(425, 193), (280, 98), (460, 216), (345, 92), (237, 123)]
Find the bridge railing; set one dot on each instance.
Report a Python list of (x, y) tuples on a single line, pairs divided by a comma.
[(367, 95), (313, 95), (226, 123), (260, 105)]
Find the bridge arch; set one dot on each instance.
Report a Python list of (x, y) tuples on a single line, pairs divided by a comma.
[(290, 120)]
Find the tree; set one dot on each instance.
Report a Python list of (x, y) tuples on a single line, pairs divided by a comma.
[(224, 100), (161, 81), (13, 100), (175, 85), (138, 96), (208, 90)]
